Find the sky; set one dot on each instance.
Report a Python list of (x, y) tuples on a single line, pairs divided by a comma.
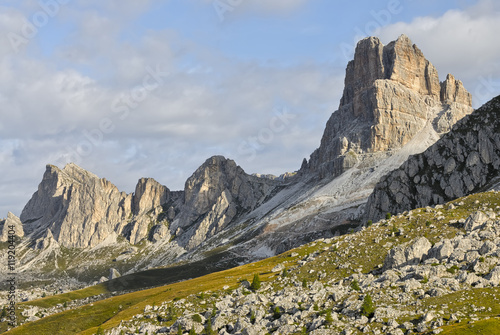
[(148, 88)]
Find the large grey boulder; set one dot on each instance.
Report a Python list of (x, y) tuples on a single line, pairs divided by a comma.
[(411, 254)]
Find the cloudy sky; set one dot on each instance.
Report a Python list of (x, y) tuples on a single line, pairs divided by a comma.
[(152, 88)]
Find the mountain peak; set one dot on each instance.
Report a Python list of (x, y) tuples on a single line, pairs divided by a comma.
[(392, 92)]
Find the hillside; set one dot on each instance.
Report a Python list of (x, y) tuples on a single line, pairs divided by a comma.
[(429, 270)]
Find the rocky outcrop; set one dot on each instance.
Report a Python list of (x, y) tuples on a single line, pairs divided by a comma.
[(464, 161), (81, 210), (12, 224), (391, 92), (214, 196)]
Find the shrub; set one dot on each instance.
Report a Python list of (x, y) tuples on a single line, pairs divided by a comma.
[(369, 223), (304, 283), (284, 273), (208, 329), (255, 283), (192, 331), (252, 317), (453, 269), (425, 280), (368, 309), (328, 318), (355, 285), (388, 216), (214, 310), (276, 313), (197, 318), (179, 330), (394, 229)]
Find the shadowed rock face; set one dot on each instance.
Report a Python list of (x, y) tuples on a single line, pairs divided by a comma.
[(464, 161), (390, 93)]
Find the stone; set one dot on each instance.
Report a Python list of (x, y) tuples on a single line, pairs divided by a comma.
[(149, 194), (475, 221), (214, 195), (487, 247), (412, 254), (494, 276), (429, 316), (113, 274), (453, 91), (442, 250)]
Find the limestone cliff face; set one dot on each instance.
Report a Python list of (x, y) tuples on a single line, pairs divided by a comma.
[(390, 93), (216, 194), (81, 210), (464, 161)]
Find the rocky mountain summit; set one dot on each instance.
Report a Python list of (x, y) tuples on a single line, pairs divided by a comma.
[(464, 161)]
